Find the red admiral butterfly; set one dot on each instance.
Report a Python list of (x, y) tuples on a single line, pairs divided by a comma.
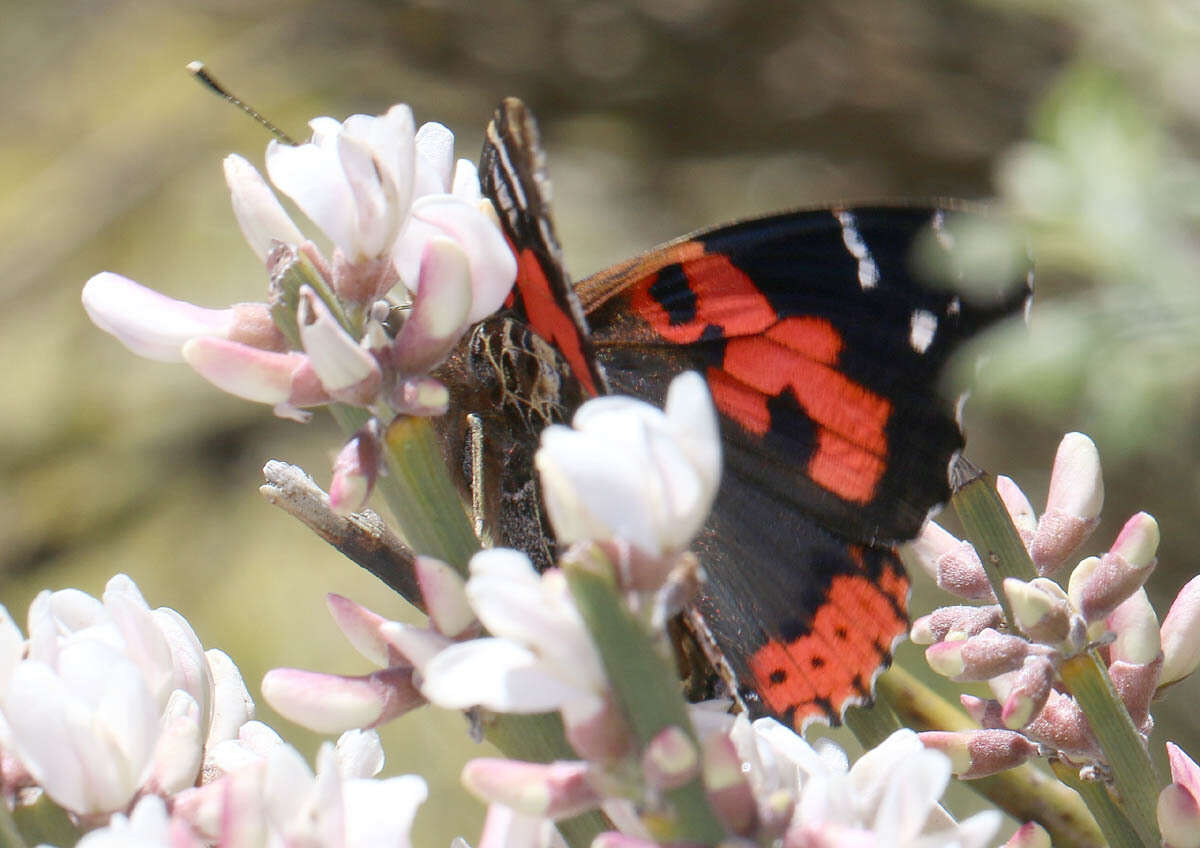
[(821, 343)]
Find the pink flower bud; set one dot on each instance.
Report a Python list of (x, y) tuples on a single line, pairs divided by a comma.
[(979, 753), (1061, 725), (440, 309), (283, 379), (1136, 629), (348, 372), (1181, 634), (1029, 835), (362, 629), (1072, 505), (1030, 690), (329, 703), (413, 645), (1041, 609), (1020, 510), (954, 622), (953, 563), (1184, 770), (728, 789), (1135, 684), (355, 470), (982, 656), (1178, 817), (670, 760), (422, 396), (600, 734), (1098, 585), (445, 596), (551, 790)]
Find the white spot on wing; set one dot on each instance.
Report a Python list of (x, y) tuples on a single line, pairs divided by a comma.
[(868, 271), (921, 330)]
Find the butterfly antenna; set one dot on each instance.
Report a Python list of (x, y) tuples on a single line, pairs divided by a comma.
[(206, 79)]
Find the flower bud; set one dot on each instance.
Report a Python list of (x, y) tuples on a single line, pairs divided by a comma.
[(1135, 684), (954, 623), (953, 563), (982, 656), (439, 312), (1020, 510), (362, 629), (445, 596), (1030, 689), (347, 371), (355, 470), (1181, 634), (980, 753), (1178, 817), (329, 703), (1029, 835), (1072, 504), (421, 396), (728, 788), (259, 214), (550, 790), (1136, 628), (1041, 609), (1098, 585), (1061, 725)]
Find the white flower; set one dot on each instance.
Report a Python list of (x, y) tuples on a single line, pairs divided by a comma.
[(147, 827), (540, 656), (271, 797), (625, 470), (354, 180), (889, 797), (112, 697)]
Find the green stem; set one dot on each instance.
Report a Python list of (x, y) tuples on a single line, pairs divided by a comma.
[(1133, 772), (646, 688), (872, 725), (987, 526), (1112, 821)]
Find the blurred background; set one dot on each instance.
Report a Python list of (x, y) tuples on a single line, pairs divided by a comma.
[(659, 116)]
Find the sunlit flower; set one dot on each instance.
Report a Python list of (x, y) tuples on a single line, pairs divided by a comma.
[(112, 698), (626, 470)]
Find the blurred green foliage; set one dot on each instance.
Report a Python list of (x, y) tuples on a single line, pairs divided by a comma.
[(660, 116)]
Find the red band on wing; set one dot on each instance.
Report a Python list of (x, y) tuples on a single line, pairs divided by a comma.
[(723, 298), (849, 639), (799, 354), (549, 319)]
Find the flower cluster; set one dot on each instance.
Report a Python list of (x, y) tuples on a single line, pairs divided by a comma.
[(111, 708), (1053, 629), (508, 640), (417, 258)]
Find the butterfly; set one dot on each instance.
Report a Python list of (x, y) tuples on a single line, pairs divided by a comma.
[(821, 341)]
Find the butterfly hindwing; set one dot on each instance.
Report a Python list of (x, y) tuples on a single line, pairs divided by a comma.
[(821, 342)]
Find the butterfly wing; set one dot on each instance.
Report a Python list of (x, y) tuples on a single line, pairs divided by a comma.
[(821, 344), (822, 341)]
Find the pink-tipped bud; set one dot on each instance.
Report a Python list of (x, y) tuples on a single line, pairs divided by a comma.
[(440, 309), (1030, 689), (549, 790), (1072, 505), (984, 712), (1040, 608), (362, 629), (982, 656), (728, 789), (1136, 628), (445, 596), (329, 703), (355, 470), (1099, 585), (425, 397), (1184, 770), (1181, 634), (1029, 835), (953, 563), (670, 760), (1062, 726), (1135, 684), (600, 734), (1178, 817), (979, 753), (954, 623), (347, 371), (1020, 510)]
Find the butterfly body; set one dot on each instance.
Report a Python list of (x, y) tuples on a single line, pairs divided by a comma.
[(821, 341)]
